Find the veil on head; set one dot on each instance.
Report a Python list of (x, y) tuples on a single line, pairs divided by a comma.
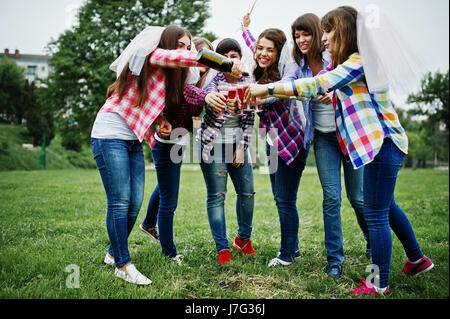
[(389, 62), (140, 47)]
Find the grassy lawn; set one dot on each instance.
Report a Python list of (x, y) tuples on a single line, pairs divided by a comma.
[(53, 219)]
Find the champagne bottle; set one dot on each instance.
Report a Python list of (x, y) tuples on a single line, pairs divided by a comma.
[(215, 61)]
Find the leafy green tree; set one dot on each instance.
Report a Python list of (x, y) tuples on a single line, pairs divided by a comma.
[(12, 79), (432, 102), (39, 116), (81, 56)]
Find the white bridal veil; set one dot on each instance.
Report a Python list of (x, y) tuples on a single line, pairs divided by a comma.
[(141, 46), (389, 62)]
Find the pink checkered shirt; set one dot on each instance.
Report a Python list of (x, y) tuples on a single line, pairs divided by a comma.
[(139, 119)]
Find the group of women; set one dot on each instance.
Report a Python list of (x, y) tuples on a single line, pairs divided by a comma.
[(316, 90)]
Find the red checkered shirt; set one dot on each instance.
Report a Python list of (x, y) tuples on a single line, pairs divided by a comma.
[(140, 119)]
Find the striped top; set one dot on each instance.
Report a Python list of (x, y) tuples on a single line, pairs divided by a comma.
[(212, 123), (363, 118), (140, 119)]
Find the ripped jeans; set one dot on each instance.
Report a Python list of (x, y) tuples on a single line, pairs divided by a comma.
[(216, 176)]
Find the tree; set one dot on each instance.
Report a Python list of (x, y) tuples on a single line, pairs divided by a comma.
[(39, 116), (81, 57), (12, 79), (432, 101)]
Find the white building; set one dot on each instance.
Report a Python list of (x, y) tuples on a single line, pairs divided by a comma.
[(36, 66)]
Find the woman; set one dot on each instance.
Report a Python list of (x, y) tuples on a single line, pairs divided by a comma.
[(164, 199), (370, 135), (220, 136), (135, 102), (286, 149), (313, 58), (201, 43)]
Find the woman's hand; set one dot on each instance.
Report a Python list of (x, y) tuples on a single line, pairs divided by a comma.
[(239, 158), (237, 69), (253, 90), (216, 101), (326, 99), (233, 105), (165, 128), (246, 21)]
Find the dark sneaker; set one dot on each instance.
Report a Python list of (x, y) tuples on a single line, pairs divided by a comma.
[(152, 232), (334, 271)]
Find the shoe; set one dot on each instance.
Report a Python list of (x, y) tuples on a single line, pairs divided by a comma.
[(275, 262), (296, 256), (177, 260), (244, 247), (152, 232), (225, 257), (366, 288), (417, 268), (334, 271), (108, 260), (132, 275)]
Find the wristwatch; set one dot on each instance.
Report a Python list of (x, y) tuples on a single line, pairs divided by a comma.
[(270, 88)]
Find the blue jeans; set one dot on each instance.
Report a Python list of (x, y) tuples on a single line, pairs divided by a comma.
[(164, 200), (328, 161), (285, 182), (122, 169), (382, 213), (216, 176)]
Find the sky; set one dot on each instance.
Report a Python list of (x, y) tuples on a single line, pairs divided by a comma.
[(28, 25)]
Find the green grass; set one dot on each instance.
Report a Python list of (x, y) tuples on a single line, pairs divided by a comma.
[(51, 219)]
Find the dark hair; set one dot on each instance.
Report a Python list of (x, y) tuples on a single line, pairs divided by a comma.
[(310, 23), (271, 73), (343, 21), (175, 77), (227, 45)]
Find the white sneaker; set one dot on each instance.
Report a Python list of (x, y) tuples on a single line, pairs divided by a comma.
[(108, 260), (177, 260), (277, 261), (131, 274)]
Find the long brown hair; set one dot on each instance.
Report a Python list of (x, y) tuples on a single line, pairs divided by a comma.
[(310, 23), (175, 78), (271, 73), (343, 22)]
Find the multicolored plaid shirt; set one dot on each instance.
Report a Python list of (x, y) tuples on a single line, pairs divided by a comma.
[(363, 119), (282, 116), (140, 119), (212, 123)]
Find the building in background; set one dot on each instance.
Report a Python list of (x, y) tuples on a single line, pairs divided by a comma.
[(36, 66)]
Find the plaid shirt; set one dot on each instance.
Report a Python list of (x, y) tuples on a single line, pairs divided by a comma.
[(194, 101), (212, 124), (140, 119), (283, 116), (363, 119)]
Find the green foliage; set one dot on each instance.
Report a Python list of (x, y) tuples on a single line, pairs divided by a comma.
[(14, 157), (39, 116), (12, 79), (433, 99), (81, 57)]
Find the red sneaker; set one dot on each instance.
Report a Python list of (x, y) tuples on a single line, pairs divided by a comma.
[(366, 288), (225, 257), (244, 247), (417, 268)]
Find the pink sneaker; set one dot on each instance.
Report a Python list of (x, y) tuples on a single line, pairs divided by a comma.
[(366, 288), (417, 268)]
